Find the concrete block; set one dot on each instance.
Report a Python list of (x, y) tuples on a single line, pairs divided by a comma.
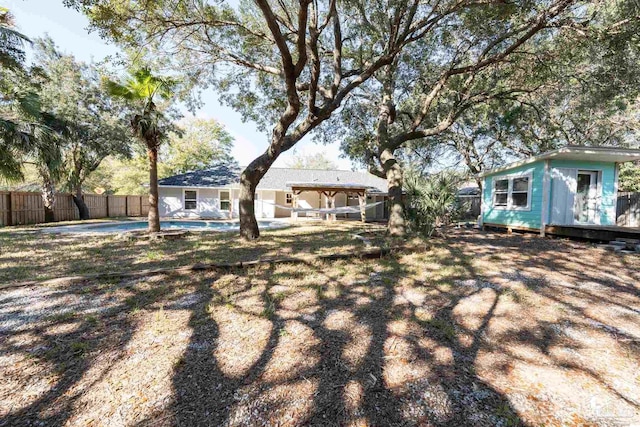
[(625, 240), (612, 248), (618, 243)]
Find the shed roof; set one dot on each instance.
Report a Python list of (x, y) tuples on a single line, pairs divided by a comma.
[(576, 152), (275, 178)]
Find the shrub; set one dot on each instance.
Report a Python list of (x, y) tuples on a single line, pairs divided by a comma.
[(431, 201)]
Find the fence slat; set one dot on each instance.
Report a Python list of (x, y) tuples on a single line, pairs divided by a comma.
[(24, 208), (628, 210), (470, 207), (5, 208)]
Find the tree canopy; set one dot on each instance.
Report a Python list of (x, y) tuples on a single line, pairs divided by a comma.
[(94, 123), (287, 65), (311, 161), (199, 144)]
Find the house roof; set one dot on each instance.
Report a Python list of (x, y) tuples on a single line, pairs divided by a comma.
[(468, 189), (276, 178), (576, 152), (216, 176)]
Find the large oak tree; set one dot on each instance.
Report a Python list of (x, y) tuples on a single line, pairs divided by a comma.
[(286, 64), (492, 52)]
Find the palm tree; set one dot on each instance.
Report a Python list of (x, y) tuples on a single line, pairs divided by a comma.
[(19, 107), (140, 89), (27, 134), (11, 42)]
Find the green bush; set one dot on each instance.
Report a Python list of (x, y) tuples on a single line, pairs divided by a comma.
[(431, 201)]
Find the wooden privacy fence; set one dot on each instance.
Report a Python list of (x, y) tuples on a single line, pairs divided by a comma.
[(21, 208), (628, 210), (470, 207)]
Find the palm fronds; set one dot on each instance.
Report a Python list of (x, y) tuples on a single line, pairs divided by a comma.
[(431, 201), (11, 42)]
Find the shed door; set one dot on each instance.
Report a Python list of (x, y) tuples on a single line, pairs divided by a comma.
[(586, 202), (563, 190)]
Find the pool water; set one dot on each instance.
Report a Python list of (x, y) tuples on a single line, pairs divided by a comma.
[(164, 225)]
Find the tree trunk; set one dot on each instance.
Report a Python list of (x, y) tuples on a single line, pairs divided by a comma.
[(154, 214), (249, 180), (83, 210), (390, 166), (397, 226), (48, 196)]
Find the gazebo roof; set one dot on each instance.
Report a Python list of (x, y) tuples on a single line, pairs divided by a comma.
[(331, 186)]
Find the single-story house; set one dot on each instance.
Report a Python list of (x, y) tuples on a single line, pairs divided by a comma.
[(214, 193), (570, 186)]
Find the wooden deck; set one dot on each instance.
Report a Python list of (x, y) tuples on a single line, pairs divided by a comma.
[(594, 232), (604, 233)]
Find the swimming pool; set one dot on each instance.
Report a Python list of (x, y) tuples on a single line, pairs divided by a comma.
[(123, 226)]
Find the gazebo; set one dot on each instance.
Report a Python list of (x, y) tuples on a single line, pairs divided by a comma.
[(329, 190)]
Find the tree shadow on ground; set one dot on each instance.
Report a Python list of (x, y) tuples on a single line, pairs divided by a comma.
[(396, 341), (348, 344)]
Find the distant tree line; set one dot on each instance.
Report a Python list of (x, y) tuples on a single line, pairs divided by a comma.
[(67, 125)]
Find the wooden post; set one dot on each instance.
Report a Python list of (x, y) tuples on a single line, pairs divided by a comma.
[(141, 205), (326, 205), (546, 200), (126, 205), (330, 204), (10, 209), (333, 205), (362, 201), (294, 203), (107, 196)]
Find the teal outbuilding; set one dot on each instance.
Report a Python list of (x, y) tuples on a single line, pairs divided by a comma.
[(573, 185)]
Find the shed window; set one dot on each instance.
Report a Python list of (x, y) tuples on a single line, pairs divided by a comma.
[(225, 201), (512, 192), (501, 192), (288, 198), (190, 200), (520, 192)]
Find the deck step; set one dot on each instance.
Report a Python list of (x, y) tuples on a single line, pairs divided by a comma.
[(626, 244), (622, 247), (628, 241), (612, 248)]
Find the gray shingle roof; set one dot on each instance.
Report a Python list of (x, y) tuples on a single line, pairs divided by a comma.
[(216, 176), (274, 179)]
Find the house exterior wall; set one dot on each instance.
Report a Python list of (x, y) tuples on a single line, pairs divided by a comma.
[(171, 203), (308, 200), (281, 201), (530, 218), (608, 192), (268, 204)]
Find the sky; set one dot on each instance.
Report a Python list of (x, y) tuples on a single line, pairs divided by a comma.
[(68, 29)]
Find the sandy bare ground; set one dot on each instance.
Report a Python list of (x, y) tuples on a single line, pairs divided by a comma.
[(479, 330)]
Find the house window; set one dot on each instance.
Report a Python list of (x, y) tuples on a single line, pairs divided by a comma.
[(512, 192), (190, 200), (288, 198), (225, 201)]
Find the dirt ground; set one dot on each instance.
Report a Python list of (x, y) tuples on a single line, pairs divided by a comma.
[(478, 329)]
